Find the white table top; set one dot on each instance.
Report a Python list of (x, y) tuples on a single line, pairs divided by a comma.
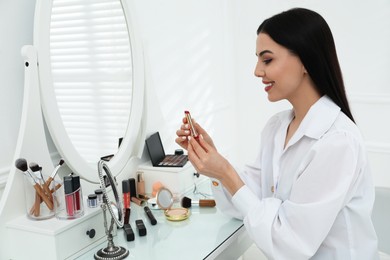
[(204, 235)]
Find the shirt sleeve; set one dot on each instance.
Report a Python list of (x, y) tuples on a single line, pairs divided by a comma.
[(251, 176), (296, 227)]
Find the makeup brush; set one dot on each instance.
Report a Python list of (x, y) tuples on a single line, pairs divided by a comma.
[(36, 168), (54, 173), (21, 164), (187, 202)]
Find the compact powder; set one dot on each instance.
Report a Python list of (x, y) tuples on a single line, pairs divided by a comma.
[(176, 214)]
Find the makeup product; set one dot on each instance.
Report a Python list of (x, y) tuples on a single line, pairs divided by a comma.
[(140, 227), (77, 192), (156, 187), (187, 202), (127, 216), (194, 133), (137, 201), (126, 193), (179, 152), (140, 183), (69, 196), (73, 196), (21, 164), (36, 208), (176, 214), (92, 201), (54, 173), (128, 231), (35, 168), (99, 194), (152, 219), (133, 189), (164, 200)]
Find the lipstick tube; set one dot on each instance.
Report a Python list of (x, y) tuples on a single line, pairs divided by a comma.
[(78, 196), (69, 196), (126, 193), (193, 131)]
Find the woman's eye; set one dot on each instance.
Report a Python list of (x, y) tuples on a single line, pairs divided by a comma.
[(266, 61)]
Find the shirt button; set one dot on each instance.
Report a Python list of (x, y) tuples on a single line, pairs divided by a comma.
[(272, 189), (215, 183)]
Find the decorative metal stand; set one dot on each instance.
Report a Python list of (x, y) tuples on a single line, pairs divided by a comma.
[(111, 251)]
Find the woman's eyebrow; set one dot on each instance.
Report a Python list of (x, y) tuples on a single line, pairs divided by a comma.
[(263, 52)]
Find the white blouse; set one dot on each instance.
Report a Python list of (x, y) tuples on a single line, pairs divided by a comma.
[(313, 198)]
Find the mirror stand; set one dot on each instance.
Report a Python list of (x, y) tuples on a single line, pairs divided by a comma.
[(111, 251)]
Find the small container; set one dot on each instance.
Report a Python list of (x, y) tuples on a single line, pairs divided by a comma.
[(99, 194), (92, 201), (39, 198)]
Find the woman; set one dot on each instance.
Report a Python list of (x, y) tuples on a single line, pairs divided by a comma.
[(309, 194)]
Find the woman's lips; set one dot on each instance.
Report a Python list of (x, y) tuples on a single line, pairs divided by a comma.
[(268, 86)]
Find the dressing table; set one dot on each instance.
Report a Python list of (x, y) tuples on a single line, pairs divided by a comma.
[(206, 234)]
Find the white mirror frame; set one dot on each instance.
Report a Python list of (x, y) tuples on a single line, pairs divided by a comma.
[(76, 163)]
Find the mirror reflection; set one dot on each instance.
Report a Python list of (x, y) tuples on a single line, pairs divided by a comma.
[(164, 198), (91, 67)]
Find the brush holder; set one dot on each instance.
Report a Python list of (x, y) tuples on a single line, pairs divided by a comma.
[(39, 198)]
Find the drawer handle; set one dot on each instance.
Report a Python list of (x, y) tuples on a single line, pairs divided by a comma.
[(91, 233)]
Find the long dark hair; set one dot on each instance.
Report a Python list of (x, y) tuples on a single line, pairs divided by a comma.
[(306, 34)]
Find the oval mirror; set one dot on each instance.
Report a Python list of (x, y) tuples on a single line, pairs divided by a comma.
[(91, 81)]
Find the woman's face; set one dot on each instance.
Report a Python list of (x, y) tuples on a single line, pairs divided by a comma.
[(281, 71)]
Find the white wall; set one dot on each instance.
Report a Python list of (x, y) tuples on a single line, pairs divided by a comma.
[(201, 56), (362, 36), (189, 47)]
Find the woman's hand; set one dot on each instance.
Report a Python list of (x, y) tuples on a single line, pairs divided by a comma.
[(207, 161), (184, 132)]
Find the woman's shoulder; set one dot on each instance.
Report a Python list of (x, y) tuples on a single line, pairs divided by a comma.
[(343, 124), (343, 132)]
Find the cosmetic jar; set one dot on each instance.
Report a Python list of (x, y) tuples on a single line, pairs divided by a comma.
[(176, 214), (92, 201), (99, 194)]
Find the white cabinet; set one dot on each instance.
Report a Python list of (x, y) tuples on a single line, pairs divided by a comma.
[(55, 239)]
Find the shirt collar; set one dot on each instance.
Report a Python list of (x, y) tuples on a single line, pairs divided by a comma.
[(319, 118)]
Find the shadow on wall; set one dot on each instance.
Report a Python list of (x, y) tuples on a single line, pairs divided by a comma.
[(381, 218)]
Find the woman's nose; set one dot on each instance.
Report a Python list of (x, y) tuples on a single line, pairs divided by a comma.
[(259, 72)]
